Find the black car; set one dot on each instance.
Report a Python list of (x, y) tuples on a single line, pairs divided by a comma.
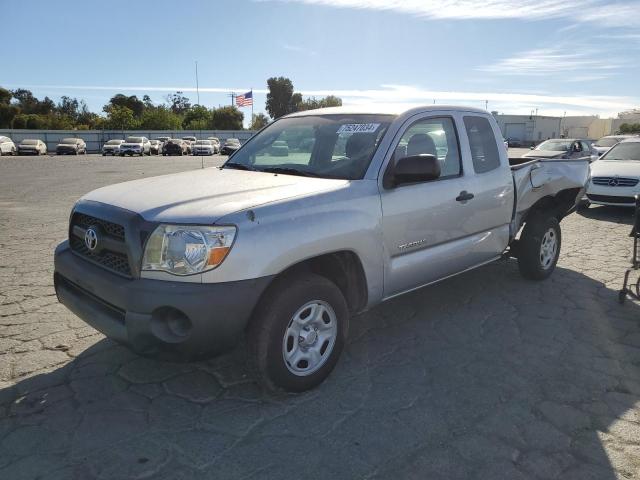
[(174, 146), (71, 146), (230, 146)]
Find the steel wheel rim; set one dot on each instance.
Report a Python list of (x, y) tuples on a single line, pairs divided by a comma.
[(309, 338), (548, 248)]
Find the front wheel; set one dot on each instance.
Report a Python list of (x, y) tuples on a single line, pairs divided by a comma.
[(298, 332), (539, 247)]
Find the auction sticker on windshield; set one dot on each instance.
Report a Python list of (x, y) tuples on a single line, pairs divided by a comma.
[(358, 128)]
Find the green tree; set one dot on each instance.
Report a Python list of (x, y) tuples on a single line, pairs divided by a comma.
[(628, 128), (120, 118), (258, 121), (5, 96), (132, 102), (197, 117), (160, 118), (227, 118), (280, 100), (29, 104), (313, 103), (178, 103)]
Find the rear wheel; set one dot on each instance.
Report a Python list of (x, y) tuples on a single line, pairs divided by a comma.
[(539, 247), (298, 332)]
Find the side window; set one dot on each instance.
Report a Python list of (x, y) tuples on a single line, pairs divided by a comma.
[(433, 136), (482, 142), (585, 146)]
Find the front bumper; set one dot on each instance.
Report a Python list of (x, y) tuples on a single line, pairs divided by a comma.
[(174, 320), (616, 196), (66, 151)]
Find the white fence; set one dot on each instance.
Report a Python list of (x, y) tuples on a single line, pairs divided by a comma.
[(96, 138)]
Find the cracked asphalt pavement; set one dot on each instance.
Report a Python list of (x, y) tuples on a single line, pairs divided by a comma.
[(485, 375)]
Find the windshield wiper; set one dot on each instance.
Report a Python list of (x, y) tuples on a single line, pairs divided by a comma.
[(237, 166), (288, 171)]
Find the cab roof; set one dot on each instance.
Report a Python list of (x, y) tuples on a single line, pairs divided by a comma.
[(382, 109)]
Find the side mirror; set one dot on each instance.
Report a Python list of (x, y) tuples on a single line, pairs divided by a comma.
[(412, 169)]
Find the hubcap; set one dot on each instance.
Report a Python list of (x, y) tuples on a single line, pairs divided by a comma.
[(309, 338), (548, 248)]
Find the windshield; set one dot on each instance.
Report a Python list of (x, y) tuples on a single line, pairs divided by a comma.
[(203, 142), (29, 142), (623, 151), (330, 146), (69, 141), (114, 142), (134, 140), (555, 145), (232, 140), (607, 141)]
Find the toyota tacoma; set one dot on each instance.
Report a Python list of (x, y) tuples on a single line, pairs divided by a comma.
[(284, 247)]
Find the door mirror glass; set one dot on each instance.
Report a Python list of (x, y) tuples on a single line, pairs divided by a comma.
[(412, 169)]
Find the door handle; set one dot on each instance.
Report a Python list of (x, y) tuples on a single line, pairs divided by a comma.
[(464, 196)]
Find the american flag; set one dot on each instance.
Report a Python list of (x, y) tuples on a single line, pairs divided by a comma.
[(245, 100)]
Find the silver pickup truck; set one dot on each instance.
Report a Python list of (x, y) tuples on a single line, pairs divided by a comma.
[(321, 215)]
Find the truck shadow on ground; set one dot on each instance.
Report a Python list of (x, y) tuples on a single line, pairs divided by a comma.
[(485, 376), (623, 215)]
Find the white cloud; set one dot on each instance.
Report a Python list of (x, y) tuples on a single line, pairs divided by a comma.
[(409, 96), (598, 11), (558, 60), (298, 49)]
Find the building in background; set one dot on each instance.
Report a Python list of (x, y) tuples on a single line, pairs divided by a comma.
[(532, 129)]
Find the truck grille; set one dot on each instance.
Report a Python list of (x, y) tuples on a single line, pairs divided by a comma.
[(86, 221), (615, 181), (116, 261)]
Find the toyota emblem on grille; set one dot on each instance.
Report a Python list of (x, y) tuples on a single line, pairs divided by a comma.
[(91, 239), (614, 182)]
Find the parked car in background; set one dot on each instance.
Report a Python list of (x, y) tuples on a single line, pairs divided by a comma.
[(135, 146), (32, 146), (189, 141), (615, 176), (112, 147), (202, 147), (603, 145), (563, 148), (71, 146), (174, 146), (7, 147), (155, 147), (284, 252), (216, 143), (230, 146), (513, 142), (163, 139)]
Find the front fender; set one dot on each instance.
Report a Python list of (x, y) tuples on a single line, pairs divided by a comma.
[(274, 237)]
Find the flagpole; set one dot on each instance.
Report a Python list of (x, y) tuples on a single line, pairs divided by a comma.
[(252, 102)]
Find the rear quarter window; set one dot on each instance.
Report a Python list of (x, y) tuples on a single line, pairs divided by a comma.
[(482, 142)]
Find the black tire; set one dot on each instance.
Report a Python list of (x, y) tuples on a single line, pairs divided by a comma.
[(272, 318), (533, 264)]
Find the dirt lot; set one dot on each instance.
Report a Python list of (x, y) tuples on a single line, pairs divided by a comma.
[(482, 376)]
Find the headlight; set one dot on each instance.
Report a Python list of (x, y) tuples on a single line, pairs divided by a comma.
[(186, 249)]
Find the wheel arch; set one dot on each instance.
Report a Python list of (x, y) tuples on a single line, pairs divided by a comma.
[(343, 268), (559, 205)]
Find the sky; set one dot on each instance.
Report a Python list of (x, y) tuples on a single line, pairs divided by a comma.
[(512, 56)]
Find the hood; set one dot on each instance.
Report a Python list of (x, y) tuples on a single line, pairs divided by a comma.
[(204, 196), (612, 168), (544, 154), (601, 150)]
